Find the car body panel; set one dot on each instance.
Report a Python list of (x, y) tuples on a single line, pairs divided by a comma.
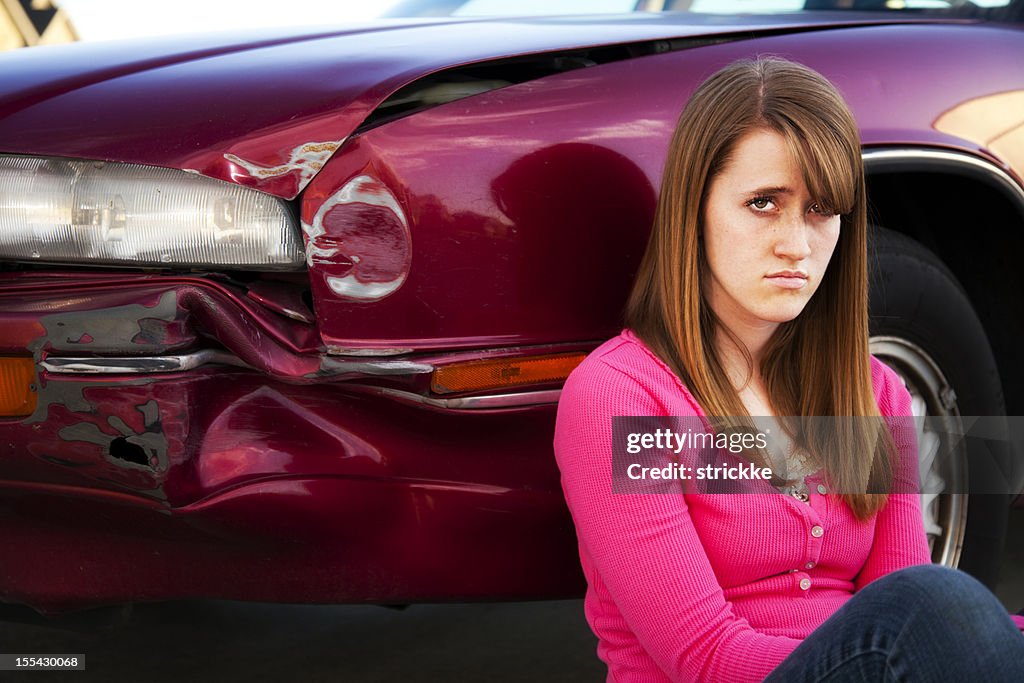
[(479, 222), (183, 104)]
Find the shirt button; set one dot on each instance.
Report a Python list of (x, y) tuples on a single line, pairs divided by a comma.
[(809, 565), (817, 531), (805, 584), (821, 489)]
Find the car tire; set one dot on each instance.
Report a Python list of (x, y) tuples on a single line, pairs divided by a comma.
[(924, 327)]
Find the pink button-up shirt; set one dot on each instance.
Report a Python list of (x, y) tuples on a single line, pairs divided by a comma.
[(706, 586)]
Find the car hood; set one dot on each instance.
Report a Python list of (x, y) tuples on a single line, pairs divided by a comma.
[(268, 109)]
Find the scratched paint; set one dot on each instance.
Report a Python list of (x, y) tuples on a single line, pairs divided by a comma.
[(131, 434), (305, 161), (360, 241), (132, 328), (71, 396), (151, 440)]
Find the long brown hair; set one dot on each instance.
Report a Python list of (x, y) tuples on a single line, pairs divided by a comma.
[(828, 341)]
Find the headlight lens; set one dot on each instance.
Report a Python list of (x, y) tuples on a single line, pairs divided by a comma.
[(62, 210)]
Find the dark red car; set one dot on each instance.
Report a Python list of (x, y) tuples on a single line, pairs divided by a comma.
[(284, 316)]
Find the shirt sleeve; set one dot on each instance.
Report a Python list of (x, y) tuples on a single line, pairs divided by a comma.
[(900, 539), (644, 547)]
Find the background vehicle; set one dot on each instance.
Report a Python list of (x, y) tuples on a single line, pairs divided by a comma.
[(314, 355)]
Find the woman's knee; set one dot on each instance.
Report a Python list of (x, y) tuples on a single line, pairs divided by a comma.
[(936, 580), (947, 596)]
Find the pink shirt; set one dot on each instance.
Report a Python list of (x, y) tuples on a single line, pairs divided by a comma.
[(711, 587)]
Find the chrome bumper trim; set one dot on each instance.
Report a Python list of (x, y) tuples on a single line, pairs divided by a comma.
[(138, 365), (141, 365)]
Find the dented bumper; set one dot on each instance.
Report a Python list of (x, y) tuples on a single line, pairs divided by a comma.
[(266, 477)]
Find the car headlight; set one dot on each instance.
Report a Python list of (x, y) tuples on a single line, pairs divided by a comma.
[(68, 211)]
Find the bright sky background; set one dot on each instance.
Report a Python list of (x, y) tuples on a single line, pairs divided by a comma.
[(111, 19)]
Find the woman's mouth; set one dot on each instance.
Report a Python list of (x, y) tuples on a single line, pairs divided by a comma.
[(788, 279)]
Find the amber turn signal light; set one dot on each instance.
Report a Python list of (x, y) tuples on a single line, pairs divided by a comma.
[(479, 375), (17, 387)]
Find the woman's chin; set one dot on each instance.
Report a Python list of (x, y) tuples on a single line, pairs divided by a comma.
[(783, 313)]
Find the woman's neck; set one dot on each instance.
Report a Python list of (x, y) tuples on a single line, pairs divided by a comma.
[(745, 378)]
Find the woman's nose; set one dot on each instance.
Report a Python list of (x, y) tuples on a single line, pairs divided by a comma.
[(791, 238)]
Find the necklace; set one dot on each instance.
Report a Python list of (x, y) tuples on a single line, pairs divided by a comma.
[(798, 490), (790, 464), (797, 468)]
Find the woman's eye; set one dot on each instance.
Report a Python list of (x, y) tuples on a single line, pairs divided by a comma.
[(815, 208), (760, 203)]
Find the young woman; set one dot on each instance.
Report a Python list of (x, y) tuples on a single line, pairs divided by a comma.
[(751, 300)]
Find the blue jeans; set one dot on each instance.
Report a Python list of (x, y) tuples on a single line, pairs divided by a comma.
[(925, 623)]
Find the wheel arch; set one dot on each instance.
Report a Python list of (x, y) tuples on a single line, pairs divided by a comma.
[(970, 213)]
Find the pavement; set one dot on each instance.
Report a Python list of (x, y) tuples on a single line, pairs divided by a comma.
[(221, 640)]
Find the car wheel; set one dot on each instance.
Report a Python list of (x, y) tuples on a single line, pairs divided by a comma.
[(924, 327)]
